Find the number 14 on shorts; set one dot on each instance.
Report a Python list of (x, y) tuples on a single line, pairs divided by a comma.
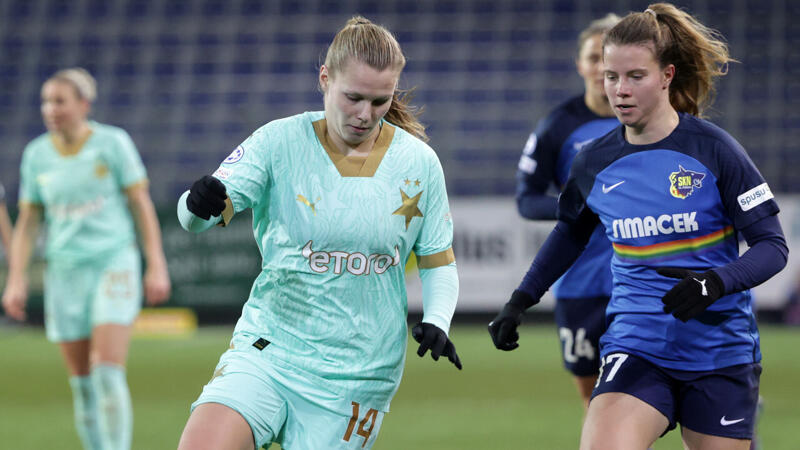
[(362, 431)]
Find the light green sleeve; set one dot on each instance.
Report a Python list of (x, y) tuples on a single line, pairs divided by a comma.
[(189, 221), (28, 188), (437, 227), (439, 295), (246, 172), (125, 161)]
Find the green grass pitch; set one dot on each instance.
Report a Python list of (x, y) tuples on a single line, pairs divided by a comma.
[(517, 400)]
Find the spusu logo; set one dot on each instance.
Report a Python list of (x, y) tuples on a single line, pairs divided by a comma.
[(683, 182), (354, 263)]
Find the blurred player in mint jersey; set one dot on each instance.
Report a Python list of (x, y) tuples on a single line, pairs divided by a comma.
[(340, 198), (5, 223), (672, 191), (87, 181), (583, 292)]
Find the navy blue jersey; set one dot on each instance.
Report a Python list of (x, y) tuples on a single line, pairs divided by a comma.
[(545, 162), (677, 202)]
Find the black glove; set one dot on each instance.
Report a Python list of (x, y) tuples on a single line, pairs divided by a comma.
[(206, 197), (693, 294), (503, 328), (434, 338)]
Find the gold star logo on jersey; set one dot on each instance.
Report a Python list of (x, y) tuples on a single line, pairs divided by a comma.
[(218, 373), (302, 199), (409, 208), (100, 170)]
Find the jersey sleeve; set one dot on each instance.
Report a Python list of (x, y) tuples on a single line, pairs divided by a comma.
[(125, 162), (745, 194), (246, 173), (536, 171), (28, 188), (433, 245)]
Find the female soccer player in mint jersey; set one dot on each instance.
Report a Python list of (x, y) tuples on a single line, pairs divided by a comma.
[(671, 191), (583, 292), (340, 198), (88, 182)]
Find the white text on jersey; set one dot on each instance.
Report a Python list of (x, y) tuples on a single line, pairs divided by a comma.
[(635, 227), (354, 263)]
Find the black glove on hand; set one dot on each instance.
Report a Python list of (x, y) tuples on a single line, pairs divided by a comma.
[(206, 197), (693, 294), (503, 328), (434, 338)]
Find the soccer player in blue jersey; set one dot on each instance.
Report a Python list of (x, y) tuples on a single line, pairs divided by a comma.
[(88, 182), (5, 222), (583, 292), (340, 198), (671, 191)]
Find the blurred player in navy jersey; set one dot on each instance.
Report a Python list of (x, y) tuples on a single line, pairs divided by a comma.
[(671, 191), (583, 292)]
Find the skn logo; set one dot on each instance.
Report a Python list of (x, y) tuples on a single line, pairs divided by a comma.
[(683, 182), (635, 227), (354, 263)]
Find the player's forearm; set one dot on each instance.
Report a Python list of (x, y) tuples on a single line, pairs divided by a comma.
[(5, 228), (22, 241), (439, 295), (147, 222), (766, 256), (537, 207), (191, 222)]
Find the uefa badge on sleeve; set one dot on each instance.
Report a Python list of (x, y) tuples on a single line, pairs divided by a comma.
[(235, 155)]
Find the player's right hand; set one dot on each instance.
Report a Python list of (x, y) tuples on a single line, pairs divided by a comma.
[(206, 197), (15, 296), (503, 328)]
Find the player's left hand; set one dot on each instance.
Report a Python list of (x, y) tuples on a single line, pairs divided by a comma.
[(434, 338), (157, 286), (693, 294)]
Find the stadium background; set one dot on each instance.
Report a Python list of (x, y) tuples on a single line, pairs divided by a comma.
[(189, 80)]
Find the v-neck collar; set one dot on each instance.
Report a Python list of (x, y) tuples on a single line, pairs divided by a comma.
[(356, 166)]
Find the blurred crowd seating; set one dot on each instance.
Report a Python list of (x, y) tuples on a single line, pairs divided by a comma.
[(191, 79)]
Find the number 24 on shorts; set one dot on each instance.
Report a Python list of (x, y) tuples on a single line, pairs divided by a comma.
[(370, 417)]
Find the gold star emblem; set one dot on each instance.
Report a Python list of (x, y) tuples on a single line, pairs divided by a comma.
[(218, 372), (416, 182), (407, 181), (409, 208)]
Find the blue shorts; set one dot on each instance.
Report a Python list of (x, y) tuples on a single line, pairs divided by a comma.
[(282, 406), (77, 298), (720, 402), (581, 322)]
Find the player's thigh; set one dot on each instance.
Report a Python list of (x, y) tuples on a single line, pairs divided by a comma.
[(68, 292), (619, 421), (693, 440), (580, 323), (214, 426), (118, 295), (242, 384)]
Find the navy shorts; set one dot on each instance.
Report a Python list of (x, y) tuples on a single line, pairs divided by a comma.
[(720, 402), (581, 322)]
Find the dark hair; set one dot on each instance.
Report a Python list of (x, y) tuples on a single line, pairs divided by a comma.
[(375, 46), (698, 53)]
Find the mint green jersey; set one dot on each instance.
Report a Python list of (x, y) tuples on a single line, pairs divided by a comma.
[(85, 208), (335, 233)]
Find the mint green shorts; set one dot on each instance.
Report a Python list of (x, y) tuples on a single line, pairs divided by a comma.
[(281, 406), (79, 297)]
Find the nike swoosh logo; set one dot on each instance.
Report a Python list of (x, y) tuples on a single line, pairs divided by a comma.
[(725, 423), (606, 190)]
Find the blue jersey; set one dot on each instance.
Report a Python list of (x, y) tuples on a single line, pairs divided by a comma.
[(677, 202), (545, 161)]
